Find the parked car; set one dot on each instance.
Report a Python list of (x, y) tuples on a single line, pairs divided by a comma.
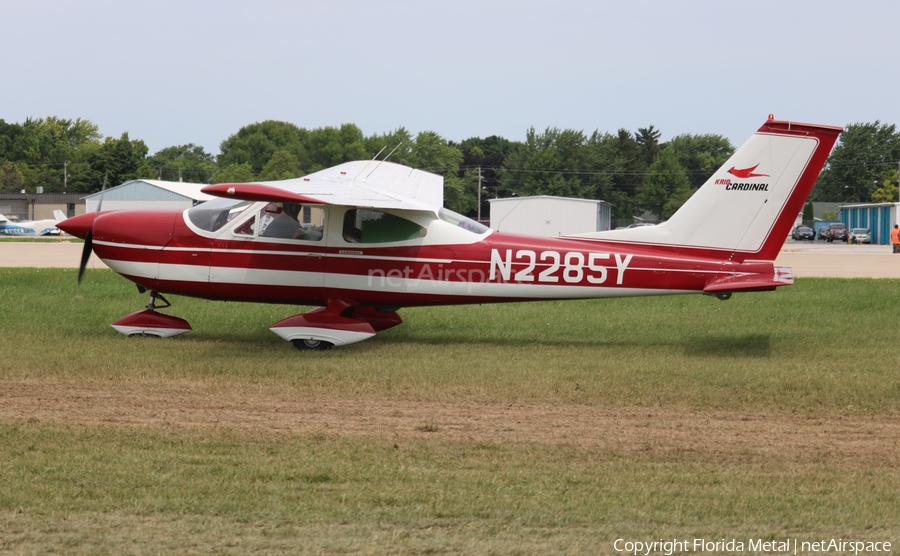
[(859, 235), (837, 231), (803, 232), (823, 233)]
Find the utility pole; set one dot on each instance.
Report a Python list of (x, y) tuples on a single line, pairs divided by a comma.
[(479, 193)]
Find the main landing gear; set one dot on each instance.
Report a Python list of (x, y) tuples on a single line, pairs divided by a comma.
[(337, 324)]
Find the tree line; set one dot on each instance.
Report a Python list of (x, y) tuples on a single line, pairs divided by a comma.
[(634, 171)]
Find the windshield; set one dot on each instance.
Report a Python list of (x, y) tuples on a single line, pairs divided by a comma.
[(860, 231), (212, 215), (461, 221)]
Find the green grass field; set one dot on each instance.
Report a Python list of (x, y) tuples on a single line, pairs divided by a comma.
[(542, 428)]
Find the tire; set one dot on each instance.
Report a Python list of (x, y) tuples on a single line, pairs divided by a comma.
[(304, 345)]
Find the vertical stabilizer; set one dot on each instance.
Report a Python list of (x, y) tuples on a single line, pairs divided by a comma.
[(746, 208)]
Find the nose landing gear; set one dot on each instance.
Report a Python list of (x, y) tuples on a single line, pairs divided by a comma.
[(151, 323)]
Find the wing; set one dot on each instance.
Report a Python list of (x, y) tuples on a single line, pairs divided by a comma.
[(363, 183)]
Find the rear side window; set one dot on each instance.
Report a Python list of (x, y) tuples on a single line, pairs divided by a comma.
[(374, 226)]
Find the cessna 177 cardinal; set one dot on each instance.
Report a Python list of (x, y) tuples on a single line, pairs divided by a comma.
[(364, 239)]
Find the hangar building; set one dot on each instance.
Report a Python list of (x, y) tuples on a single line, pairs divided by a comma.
[(39, 206), (549, 216), (146, 194), (879, 218)]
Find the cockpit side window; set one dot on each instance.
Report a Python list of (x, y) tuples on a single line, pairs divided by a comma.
[(292, 221), (211, 216)]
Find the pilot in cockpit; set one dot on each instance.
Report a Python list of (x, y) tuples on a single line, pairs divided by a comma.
[(285, 225)]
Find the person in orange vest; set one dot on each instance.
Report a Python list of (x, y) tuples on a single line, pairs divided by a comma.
[(895, 238)]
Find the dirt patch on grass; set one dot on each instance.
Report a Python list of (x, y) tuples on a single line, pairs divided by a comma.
[(721, 435)]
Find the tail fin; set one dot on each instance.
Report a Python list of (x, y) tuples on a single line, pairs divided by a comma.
[(746, 208), (58, 215)]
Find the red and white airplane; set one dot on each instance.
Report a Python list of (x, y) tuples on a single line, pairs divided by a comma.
[(364, 239)]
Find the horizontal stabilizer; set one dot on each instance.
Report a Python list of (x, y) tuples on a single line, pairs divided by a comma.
[(781, 276)]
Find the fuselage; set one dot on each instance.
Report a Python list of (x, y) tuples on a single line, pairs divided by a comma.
[(223, 252)]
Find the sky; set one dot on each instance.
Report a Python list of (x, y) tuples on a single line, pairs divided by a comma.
[(195, 71)]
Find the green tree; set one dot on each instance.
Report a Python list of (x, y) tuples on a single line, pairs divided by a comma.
[(647, 139), (330, 146), (433, 153), (679, 196), (256, 143), (234, 173), (398, 144), (53, 140), (888, 191), (808, 215), (189, 163), (665, 181), (627, 170), (12, 178), (488, 155), (50, 147), (119, 159), (283, 165), (570, 164), (9, 134), (603, 163), (864, 158), (700, 155), (550, 163)]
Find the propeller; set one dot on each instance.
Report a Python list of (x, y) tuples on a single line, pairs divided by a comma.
[(85, 255), (88, 238)]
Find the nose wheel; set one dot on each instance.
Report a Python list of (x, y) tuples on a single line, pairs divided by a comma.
[(149, 322)]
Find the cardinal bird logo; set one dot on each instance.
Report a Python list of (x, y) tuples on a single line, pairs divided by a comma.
[(744, 173)]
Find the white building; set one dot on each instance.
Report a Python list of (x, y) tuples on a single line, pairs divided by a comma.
[(548, 216), (148, 194)]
